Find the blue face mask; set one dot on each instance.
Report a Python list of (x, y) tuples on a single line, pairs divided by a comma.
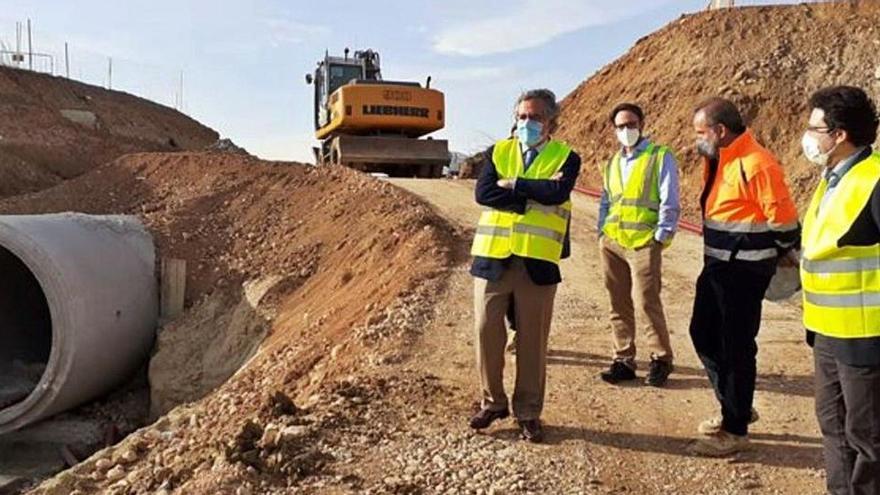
[(529, 132)]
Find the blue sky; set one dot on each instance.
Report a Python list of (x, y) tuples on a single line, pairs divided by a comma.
[(243, 63)]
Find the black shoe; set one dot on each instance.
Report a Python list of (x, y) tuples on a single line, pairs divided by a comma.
[(658, 373), (618, 372), (485, 417), (532, 430)]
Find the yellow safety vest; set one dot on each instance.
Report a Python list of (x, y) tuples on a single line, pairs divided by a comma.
[(635, 206), (540, 232), (841, 284)]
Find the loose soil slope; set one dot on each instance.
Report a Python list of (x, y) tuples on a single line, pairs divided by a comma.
[(766, 59), (40, 146), (332, 267)]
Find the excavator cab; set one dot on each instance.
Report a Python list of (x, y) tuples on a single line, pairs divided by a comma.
[(373, 125), (334, 72)]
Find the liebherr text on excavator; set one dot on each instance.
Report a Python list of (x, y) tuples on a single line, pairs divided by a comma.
[(373, 125)]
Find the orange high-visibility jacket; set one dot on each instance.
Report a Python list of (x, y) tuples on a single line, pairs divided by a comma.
[(748, 213)]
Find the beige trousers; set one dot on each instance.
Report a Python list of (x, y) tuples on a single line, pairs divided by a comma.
[(636, 273), (534, 312)]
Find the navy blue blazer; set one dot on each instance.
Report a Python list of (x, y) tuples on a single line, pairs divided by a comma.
[(548, 192)]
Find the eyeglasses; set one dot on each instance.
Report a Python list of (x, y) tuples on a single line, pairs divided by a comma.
[(821, 129), (626, 125)]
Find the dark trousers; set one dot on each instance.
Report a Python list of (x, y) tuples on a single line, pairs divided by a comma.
[(848, 409), (724, 325)]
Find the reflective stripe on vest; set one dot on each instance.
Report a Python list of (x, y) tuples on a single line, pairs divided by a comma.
[(634, 207), (840, 266), (841, 284), (539, 233)]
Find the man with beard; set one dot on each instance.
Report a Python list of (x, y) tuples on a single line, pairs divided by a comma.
[(749, 225)]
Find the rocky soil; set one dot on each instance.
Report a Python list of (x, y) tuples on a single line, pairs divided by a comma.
[(343, 267), (766, 59), (53, 129)]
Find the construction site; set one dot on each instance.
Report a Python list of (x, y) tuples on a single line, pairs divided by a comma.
[(178, 316)]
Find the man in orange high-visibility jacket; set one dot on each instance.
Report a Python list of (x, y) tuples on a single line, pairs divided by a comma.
[(749, 225)]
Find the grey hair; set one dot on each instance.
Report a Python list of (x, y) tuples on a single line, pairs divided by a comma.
[(548, 99)]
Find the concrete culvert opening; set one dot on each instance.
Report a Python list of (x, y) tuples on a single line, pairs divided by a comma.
[(25, 330), (78, 310)]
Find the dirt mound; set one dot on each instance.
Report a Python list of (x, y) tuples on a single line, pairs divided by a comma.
[(766, 59), (226, 145), (334, 269), (53, 129), (472, 166)]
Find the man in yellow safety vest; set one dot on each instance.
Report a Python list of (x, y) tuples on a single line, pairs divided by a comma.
[(521, 236), (840, 275), (638, 215)]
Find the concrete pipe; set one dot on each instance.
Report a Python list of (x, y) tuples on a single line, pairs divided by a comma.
[(78, 310)]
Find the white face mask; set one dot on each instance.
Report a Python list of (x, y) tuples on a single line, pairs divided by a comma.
[(813, 151), (628, 137)]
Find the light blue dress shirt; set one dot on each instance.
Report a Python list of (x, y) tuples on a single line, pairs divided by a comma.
[(524, 150), (833, 176), (670, 205)]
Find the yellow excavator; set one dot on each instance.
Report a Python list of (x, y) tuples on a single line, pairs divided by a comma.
[(373, 125)]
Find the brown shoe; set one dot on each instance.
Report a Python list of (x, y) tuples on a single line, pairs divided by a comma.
[(532, 430), (486, 417)]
